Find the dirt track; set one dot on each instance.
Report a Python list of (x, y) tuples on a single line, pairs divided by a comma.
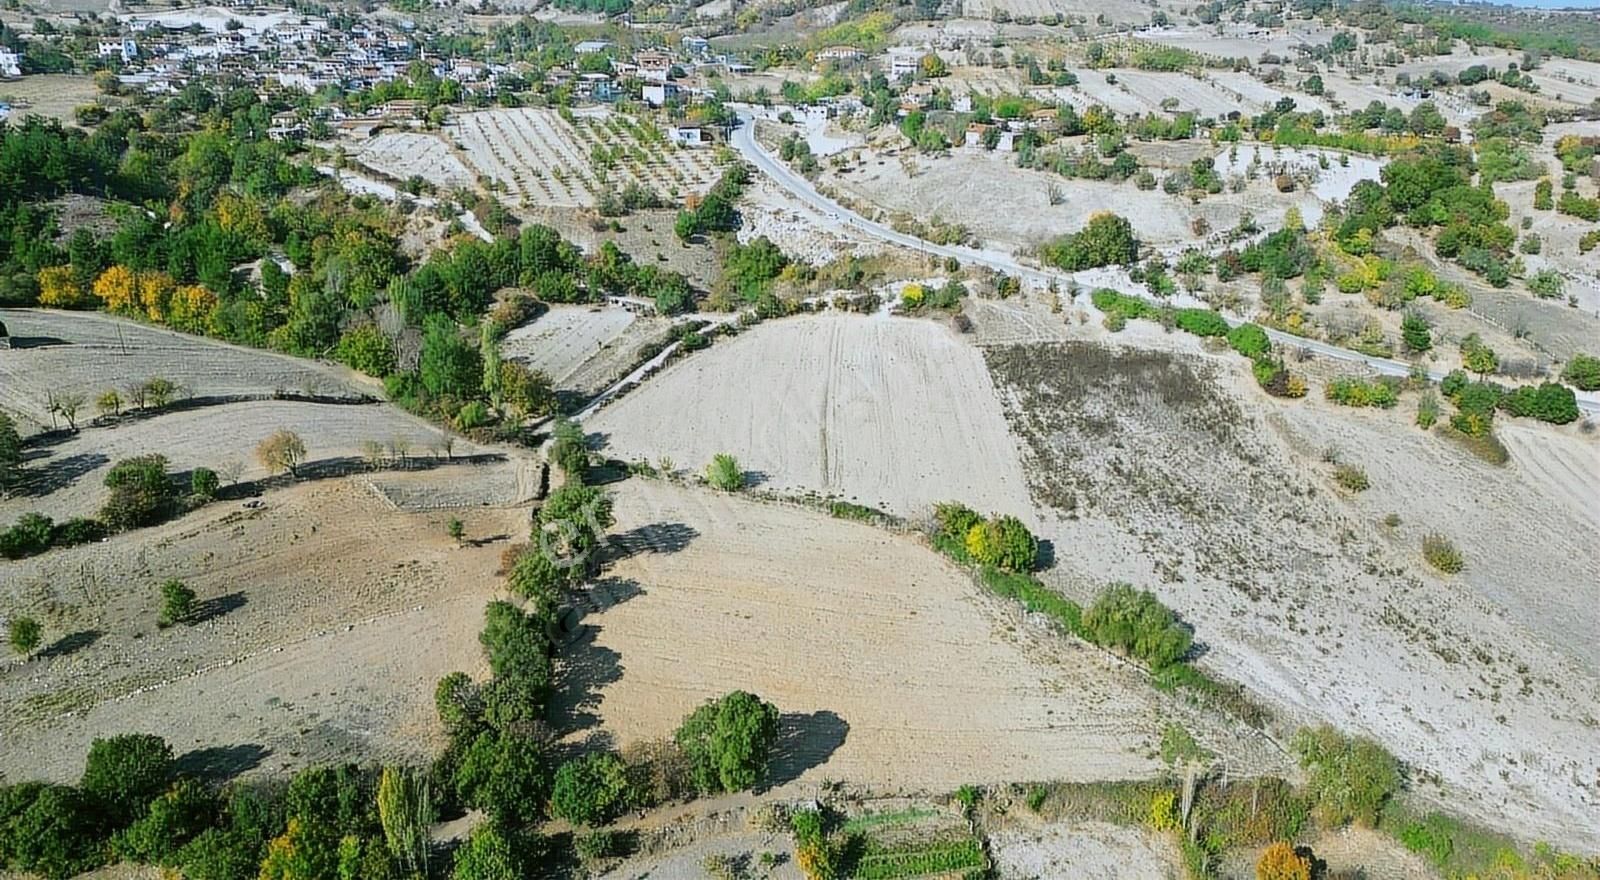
[(890, 668)]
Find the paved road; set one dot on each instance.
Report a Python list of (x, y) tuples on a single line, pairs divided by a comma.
[(743, 139)]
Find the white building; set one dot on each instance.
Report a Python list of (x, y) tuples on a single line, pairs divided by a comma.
[(658, 94), (10, 63), (125, 48), (588, 47), (903, 62), (688, 136)]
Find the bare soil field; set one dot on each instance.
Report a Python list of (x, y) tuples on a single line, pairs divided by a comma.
[(583, 349), (1118, 12), (890, 667), (865, 408), (967, 186), (543, 159), (401, 155), (1172, 471), (306, 603), (66, 478), (88, 353), (52, 95), (1028, 850), (1568, 80), (1239, 40)]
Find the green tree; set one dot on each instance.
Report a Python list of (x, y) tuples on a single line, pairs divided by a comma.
[(724, 473), (1249, 340), (178, 816), (142, 493), (1351, 778), (589, 790), (572, 522), (10, 453), (450, 366), (505, 774), (459, 705), (489, 854), (366, 349), (52, 830), (405, 809), (24, 634), (1106, 240), (568, 448), (177, 603), (515, 642), (728, 741), (1416, 334), (203, 483), (124, 773)]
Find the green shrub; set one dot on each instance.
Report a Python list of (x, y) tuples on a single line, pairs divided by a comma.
[(1036, 597), (204, 483), (30, 535), (1355, 391), (1137, 624), (1121, 305), (1351, 779), (1003, 542), (600, 845), (1352, 478), (177, 603), (1201, 322), (1249, 340), (849, 510), (1036, 797), (1582, 372), (1549, 402), (1442, 554), (724, 473)]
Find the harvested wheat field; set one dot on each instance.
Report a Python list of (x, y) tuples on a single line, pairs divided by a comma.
[(402, 155), (88, 353), (326, 618), (65, 478), (1172, 471), (890, 667), (882, 411), (581, 348)]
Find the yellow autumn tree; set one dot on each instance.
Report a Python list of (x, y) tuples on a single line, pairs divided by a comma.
[(190, 308), (58, 288), (1281, 862), (117, 289), (155, 289), (242, 215)]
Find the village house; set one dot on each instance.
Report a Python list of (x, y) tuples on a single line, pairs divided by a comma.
[(658, 94), (10, 63), (125, 48), (589, 47), (653, 66), (689, 135), (902, 62)]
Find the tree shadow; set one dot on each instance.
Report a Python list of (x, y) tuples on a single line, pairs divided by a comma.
[(222, 763), (70, 644), (36, 341), (805, 740), (600, 595), (569, 401), (583, 669), (1046, 558), (612, 470), (753, 479), (210, 609), (54, 474), (668, 537)]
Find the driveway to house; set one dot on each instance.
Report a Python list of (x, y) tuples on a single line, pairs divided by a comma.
[(743, 139)]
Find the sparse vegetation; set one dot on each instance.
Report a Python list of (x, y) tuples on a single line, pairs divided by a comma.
[(1442, 554)]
